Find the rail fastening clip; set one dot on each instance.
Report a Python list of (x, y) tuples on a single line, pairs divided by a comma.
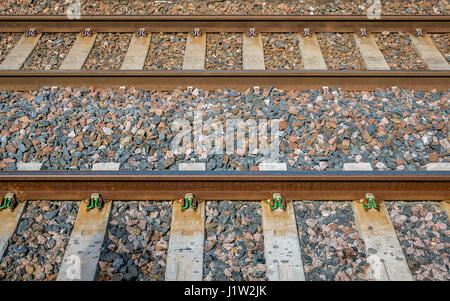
[(306, 32), (419, 32), (95, 202), (197, 33), (277, 202), (370, 202), (189, 202), (31, 32), (87, 32), (252, 33), (142, 33), (9, 202), (363, 32)]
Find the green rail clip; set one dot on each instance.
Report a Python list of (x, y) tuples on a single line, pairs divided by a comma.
[(95, 202), (277, 202), (189, 202), (370, 202), (9, 202)]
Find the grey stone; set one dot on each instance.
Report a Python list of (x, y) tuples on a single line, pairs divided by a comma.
[(23, 225), (118, 262)]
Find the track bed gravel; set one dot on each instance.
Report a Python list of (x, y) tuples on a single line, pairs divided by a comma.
[(423, 231), (340, 51), (399, 51), (281, 51), (224, 51), (234, 245), (234, 7), (136, 242), (50, 51), (36, 250), (331, 246), (442, 42), (7, 42), (166, 51), (108, 52), (69, 129)]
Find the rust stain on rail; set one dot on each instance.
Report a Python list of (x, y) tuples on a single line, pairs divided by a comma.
[(229, 186), (238, 79), (224, 23)]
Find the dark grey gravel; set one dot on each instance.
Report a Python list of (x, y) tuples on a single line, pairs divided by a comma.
[(136, 243), (71, 129), (36, 250), (423, 231), (234, 246), (331, 246)]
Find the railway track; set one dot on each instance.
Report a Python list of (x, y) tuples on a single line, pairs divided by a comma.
[(191, 191), (314, 74), (245, 186), (275, 200)]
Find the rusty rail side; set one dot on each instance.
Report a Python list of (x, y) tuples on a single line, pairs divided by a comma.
[(225, 23), (335, 186), (236, 79)]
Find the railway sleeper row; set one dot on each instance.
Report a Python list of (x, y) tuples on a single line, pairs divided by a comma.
[(187, 234), (195, 51)]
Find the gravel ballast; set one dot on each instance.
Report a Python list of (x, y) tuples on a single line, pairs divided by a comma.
[(282, 51), (50, 51), (69, 129), (234, 7), (108, 52), (7, 42), (136, 242), (331, 246), (166, 51), (340, 51), (442, 43), (423, 231), (36, 250), (234, 245), (399, 51), (224, 51)]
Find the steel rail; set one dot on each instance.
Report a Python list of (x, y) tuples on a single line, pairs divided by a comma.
[(233, 23), (236, 79), (335, 186)]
